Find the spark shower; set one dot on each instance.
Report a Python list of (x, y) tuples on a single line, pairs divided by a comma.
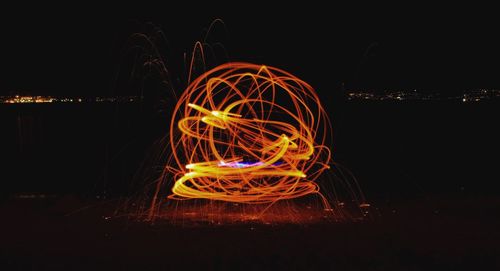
[(255, 137)]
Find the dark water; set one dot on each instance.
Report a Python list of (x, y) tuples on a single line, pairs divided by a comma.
[(421, 149), (397, 150)]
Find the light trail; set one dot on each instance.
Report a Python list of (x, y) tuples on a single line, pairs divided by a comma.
[(248, 133)]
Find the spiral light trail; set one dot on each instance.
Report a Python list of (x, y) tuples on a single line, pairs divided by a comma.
[(248, 134)]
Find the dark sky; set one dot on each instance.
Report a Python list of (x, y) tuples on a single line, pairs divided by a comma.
[(76, 50)]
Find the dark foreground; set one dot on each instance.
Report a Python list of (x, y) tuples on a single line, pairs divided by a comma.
[(56, 234)]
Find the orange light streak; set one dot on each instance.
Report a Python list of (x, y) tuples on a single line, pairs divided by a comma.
[(248, 134)]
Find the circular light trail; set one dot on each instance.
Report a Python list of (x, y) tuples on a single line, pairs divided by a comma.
[(248, 133)]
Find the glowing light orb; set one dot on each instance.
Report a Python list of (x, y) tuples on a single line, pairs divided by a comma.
[(248, 133)]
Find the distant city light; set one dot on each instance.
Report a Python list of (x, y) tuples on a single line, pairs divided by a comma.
[(396, 95), (401, 95), (18, 99)]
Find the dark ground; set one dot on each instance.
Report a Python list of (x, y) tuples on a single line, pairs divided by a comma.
[(444, 234)]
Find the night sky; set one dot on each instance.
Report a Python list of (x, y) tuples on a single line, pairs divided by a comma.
[(63, 50)]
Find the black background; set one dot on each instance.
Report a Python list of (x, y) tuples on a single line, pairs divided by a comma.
[(427, 167), (71, 49)]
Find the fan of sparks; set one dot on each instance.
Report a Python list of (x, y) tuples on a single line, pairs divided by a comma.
[(248, 133)]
